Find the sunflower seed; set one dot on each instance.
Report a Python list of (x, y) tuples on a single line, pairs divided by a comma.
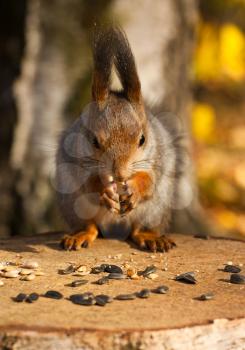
[(25, 272), (20, 297), (125, 296), (53, 294), (32, 297), (201, 236), (237, 278), (77, 283), (80, 299), (11, 274), (39, 273), (152, 276), (102, 280), (206, 296), (81, 274), (144, 293), (28, 277), (67, 270), (160, 290), (81, 268), (9, 268), (113, 269), (102, 299), (88, 295), (232, 268), (30, 265), (150, 269), (116, 276), (188, 277)]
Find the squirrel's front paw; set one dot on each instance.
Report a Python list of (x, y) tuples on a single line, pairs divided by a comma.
[(110, 198), (130, 197), (79, 240)]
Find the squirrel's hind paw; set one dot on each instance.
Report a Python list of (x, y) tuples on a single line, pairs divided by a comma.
[(153, 242)]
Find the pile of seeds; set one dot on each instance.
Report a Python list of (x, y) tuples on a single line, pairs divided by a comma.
[(114, 272), (27, 298), (26, 271), (88, 298), (235, 277)]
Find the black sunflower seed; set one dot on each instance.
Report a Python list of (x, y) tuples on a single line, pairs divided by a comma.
[(87, 295), (80, 299), (77, 283), (113, 269), (232, 268), (201, 236), (188, 277), (160, 290), (67, 271), (237, 278), (32, 297), (144, 293), (116, 276), (206, 296), (103, 266), (126, 296), (53, 294), (102, 280), (150, 269), (20, 297), (103, 299)]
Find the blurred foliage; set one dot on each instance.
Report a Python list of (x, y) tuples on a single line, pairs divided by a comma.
[(218, 112), (220, 53)]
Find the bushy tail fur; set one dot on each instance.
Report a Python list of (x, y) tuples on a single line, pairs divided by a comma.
[(112, 47)]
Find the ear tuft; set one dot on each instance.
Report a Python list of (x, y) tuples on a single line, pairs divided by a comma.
[(103, 56), (111, 46), (126, 67)]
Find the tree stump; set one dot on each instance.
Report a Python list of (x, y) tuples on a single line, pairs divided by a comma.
[(175, 320)]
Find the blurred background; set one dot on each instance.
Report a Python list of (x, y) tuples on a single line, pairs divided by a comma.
[(191, 60)]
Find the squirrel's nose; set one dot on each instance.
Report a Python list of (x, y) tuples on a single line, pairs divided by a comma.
[(120, 172)]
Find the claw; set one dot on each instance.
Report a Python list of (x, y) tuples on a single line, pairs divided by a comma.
[(152, 241), (79, 240)]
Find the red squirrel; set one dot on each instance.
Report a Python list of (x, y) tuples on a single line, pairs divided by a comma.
[(116, 165)]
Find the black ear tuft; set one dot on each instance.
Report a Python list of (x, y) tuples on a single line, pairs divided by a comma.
[(103, 56), (111, 46), (126, 67)]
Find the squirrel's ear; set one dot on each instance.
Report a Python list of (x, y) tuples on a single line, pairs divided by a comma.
[(126, 67), (103, 55)]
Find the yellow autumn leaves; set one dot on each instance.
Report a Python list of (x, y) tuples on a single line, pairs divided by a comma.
[(218, 124), (220, 53)]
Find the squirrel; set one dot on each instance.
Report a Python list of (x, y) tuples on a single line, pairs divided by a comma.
[(116, 166)]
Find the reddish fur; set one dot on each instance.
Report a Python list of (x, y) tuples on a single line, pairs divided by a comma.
[(142, 182), (75, 241), (152, 240)]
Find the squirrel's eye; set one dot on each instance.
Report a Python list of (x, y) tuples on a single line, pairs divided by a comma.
[(142, 140), (96, 143)]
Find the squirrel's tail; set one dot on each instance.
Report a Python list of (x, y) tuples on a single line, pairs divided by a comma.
[(111, 46)]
